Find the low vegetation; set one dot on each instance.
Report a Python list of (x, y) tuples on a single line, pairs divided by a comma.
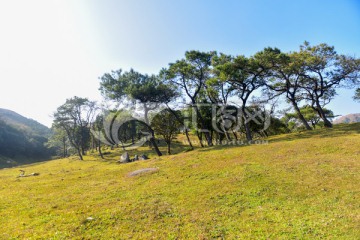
[(298, 186)]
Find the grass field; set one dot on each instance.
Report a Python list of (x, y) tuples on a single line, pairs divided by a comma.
[(298, 186)]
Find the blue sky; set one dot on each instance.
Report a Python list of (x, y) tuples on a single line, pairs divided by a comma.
[(51, 50)]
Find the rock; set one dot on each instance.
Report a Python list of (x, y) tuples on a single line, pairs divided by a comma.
[(143, 157), (22, 174), (136, 157), (144, 170), (124, 158)]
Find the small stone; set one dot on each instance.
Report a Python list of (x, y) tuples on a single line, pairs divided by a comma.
[(143, 157), (125, 158), (142, 171)]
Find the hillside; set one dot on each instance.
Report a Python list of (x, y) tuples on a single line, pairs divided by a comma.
[(298, 186), (21, 139), (350, 118)]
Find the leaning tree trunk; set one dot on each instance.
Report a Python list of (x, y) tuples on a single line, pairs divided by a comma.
[(152, 141), (300, 116), (235, 136), (156, 148), (199, 135), (188, 138), (322, 115)]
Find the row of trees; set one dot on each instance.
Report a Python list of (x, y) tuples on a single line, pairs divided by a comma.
[(307, 79)]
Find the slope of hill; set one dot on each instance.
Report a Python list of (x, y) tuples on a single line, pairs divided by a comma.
[(21, 139), (350, 118), (298, 186), (16, 120)]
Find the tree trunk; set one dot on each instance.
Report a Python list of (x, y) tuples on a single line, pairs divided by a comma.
[(208, 139), (83, 150), (79, 153), (322, 115), (188, 138), (168, 148), (247, 131), (181, 122), (199, 135), (153, 142), (133, 132), (246, 124), (64, 146), (300, 116), (99, 146), (224, 130), (235, 136)]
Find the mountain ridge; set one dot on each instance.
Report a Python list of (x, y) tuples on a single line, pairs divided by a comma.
[(21, 139), (349, 118)]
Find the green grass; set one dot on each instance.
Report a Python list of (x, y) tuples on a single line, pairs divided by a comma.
[(299, 186)]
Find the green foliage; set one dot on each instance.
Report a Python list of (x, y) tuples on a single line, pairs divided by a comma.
[(74, 117), (167, 125), (190, 74), (245, 75), (135, 86), (58, 141)]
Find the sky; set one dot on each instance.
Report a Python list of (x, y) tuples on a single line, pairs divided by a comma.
[(51, 50)]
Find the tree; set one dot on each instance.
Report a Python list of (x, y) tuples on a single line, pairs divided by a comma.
[(322, 72), (283, 78), (219, 92), (180, 120), (75, 117), (98, 128), (166, 124), (58, 141), (145, 89), (245, 75), (190, 75)]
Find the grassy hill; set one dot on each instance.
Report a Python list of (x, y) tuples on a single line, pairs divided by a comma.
[(21, 139), (298, 186)]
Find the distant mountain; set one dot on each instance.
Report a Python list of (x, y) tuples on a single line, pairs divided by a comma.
[(350, 118), (21, 139)]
